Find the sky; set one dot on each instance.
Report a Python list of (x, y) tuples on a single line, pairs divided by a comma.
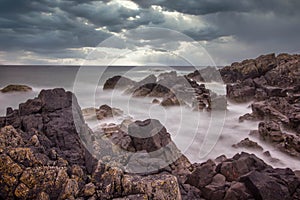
[(146, 32)]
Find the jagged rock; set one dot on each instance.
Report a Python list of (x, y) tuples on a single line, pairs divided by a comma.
[(239, 165), (170, 100), (16, 88), (247, 143), (117, 82), (263, 186), (237, 191), (167, 75), (241, 92), (270, 131), (89, 189), (202, 175), (248, 68), (166, 186), (155, 101), (106, 112)]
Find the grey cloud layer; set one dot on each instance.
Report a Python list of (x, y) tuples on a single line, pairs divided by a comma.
[(49, 26)]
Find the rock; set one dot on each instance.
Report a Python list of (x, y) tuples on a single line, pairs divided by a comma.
[(16, 88), (70, 190), (162, 186), (10, 137), (107, 112), (219, 103), (270, 131), (89, 189), (202, 175), (155, 101), (237, 191), (117, 82), (170, 100), (149, 135), (247, 143), (252, 68), (148, 80), (239, 165), (167, 75), (196, 76), (189, 192), (241, 92), (263, 186)]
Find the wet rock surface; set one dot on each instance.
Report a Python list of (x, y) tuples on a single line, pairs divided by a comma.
[(44, 155), (177, 90), (272, 84)]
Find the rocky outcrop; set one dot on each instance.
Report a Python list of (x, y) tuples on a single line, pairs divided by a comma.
[(263, 77), (47, 152), (252, 68), (273, 84), (117, 82), (238, 178), (16, 88), (248, 144), (177, 90)]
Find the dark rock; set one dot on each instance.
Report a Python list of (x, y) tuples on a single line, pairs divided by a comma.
[(189, 192), (32, 106), (239, 165), (270, 131), (16, 88), (219, 103), (117, 82), (149, 135), (252, 68), (237, 191), (168, 75), (263, 186), (155, 101), (106, 112), (202, 175), (247, 143), (2, 122), (170, 100), (240, 92)]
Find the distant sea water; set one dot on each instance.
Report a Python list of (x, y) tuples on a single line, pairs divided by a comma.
[(187, 127)]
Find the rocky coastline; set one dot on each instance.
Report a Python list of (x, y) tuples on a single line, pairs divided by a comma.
[(47, 151)]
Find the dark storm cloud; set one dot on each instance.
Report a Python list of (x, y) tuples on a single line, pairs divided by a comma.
[(43, 26), (202, 7)]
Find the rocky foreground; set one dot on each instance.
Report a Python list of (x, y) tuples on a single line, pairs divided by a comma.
[(48, 152)]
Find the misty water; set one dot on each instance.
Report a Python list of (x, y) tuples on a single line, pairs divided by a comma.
[(189, 129)]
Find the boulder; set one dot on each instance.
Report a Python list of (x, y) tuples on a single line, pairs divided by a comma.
[(118, 82), (249, 144), (16, 88)]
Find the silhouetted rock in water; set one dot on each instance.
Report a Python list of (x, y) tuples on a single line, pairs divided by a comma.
[(155, 101), (117, 82), (177, 90), (248, 144), (16, 88)]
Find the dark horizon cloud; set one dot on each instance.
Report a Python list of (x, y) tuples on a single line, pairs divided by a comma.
[(43, 27)]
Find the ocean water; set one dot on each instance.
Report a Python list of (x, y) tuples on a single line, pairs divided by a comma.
[(199, 135)]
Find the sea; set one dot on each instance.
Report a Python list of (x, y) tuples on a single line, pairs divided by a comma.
[(199, 135)]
